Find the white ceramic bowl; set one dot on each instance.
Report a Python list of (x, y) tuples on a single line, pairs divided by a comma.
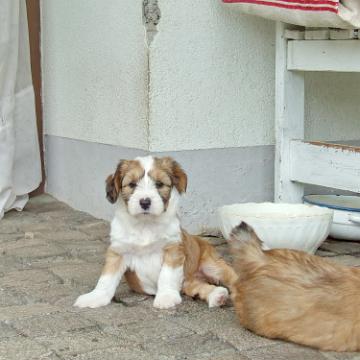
[(346, 222), (292, 226)]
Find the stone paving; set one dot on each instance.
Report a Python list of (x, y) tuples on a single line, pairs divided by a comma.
[(50, 254)]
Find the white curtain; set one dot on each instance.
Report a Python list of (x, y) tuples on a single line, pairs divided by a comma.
[(20, 166)]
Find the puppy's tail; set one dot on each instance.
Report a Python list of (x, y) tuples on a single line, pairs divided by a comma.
[(247, 249)]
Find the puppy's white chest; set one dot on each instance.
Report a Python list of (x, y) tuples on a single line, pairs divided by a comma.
[(142, 247), (147, 268), (141, 240), (142, 244)]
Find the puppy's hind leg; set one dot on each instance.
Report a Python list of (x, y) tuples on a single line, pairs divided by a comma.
[(243, 240), (214, 295), (216, 270)]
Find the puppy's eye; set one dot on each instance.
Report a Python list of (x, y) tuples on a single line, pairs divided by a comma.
[(159, 184), (132, 185)]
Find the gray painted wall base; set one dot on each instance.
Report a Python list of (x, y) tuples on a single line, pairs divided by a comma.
[(76, 172)]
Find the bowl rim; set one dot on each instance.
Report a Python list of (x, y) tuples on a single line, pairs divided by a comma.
[(329, 206), (225, 211)]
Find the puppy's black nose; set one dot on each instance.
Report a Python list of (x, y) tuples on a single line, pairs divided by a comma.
[(145, 203)]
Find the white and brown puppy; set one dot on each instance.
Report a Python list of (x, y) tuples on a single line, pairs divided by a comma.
[(148, 245)]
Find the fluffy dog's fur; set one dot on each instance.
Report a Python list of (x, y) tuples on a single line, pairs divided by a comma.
[(291, 295), (148, 245)]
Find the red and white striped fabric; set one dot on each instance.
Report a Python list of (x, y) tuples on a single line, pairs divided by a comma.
[(312, 13)]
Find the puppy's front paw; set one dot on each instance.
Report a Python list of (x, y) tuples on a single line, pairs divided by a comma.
[(167, 299), (92, 299), (218, 297)]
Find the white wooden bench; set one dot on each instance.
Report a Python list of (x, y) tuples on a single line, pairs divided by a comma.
[(298, 162)]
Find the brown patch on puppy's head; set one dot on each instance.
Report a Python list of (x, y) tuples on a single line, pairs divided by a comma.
[(175, 172), (167, 174), (124, 180)]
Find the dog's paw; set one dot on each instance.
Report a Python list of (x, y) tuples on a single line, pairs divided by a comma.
[(218, 297), (92, 299), (167, 299)]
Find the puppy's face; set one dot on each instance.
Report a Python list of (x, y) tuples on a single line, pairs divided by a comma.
[(146, 184)]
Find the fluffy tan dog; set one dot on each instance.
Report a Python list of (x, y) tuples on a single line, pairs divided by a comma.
[(294, 296)]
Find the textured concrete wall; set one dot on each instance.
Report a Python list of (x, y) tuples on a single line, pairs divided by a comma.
[(216, 177), (76, 171), (210, 84), (95, 62), (211, 78), (224, 176)]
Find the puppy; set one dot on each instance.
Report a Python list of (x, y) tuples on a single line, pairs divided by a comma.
[(294, 296), (148, 245)]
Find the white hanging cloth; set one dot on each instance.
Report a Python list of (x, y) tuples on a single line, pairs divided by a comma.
[(312, 13), (20, 165)]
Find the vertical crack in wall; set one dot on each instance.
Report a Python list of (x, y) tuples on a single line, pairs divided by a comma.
[(151, 18)]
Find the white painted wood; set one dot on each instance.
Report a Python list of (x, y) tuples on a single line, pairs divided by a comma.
[(343, 34), (298, 162), (294, 34), (317, 34), (318, 163), (324, 55), (289, 120)]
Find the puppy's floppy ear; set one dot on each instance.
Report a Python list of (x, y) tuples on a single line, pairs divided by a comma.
[(113, 182), (179, 177), (111, 192)]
